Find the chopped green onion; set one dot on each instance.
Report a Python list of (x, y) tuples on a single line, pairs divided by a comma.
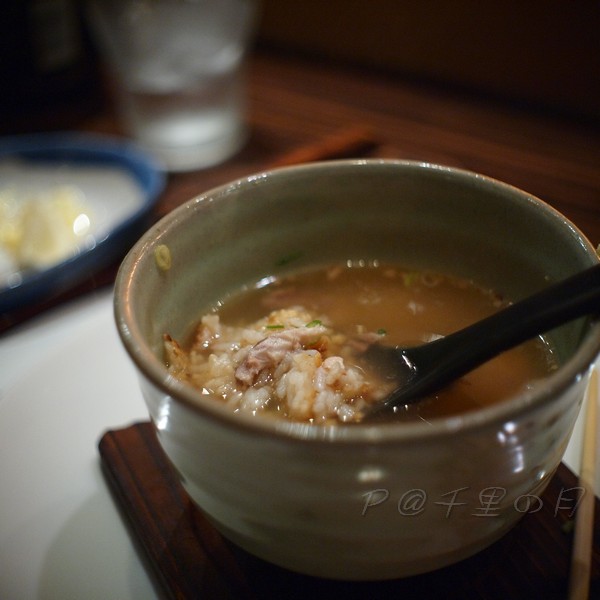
[(314, 323), (274, 327), (381, 331), (162, 257)]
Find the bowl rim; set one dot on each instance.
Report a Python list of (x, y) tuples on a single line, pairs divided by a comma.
[(155, 372)]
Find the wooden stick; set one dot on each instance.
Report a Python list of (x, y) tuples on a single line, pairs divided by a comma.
[(584, 521), (353, 142)]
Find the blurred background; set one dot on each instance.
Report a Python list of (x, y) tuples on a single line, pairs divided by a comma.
[(544, 55)]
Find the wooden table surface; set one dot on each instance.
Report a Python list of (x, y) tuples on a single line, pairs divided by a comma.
[(295, 102)]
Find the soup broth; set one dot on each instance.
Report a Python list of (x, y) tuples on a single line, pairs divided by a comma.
[(291, 347)]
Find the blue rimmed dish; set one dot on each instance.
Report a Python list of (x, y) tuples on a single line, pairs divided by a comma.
[(120, 183)]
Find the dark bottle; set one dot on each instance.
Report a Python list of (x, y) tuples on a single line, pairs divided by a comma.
[(48, 69)]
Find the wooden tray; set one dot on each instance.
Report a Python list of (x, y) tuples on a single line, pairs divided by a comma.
[(192, 560)]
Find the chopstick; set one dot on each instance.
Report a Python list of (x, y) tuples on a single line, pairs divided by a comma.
[(584, 521), (351, 142)]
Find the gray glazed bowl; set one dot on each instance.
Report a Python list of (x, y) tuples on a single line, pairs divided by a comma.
[(372, 501)]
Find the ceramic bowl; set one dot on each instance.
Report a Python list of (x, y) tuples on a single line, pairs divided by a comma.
[(374, 501)]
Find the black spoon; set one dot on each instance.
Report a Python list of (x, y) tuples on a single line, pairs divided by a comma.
[(422, 370)]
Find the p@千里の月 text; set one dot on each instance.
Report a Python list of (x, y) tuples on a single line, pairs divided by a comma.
[(487, 502)]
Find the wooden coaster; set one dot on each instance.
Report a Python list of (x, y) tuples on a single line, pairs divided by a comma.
[(192, 560)]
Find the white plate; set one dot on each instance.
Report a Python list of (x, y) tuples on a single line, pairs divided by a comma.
[(65, 380)]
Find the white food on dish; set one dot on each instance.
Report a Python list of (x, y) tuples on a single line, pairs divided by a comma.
[(50, 213), (40, 230)]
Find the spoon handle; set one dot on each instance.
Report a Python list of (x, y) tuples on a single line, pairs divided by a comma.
[(450, 357)]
